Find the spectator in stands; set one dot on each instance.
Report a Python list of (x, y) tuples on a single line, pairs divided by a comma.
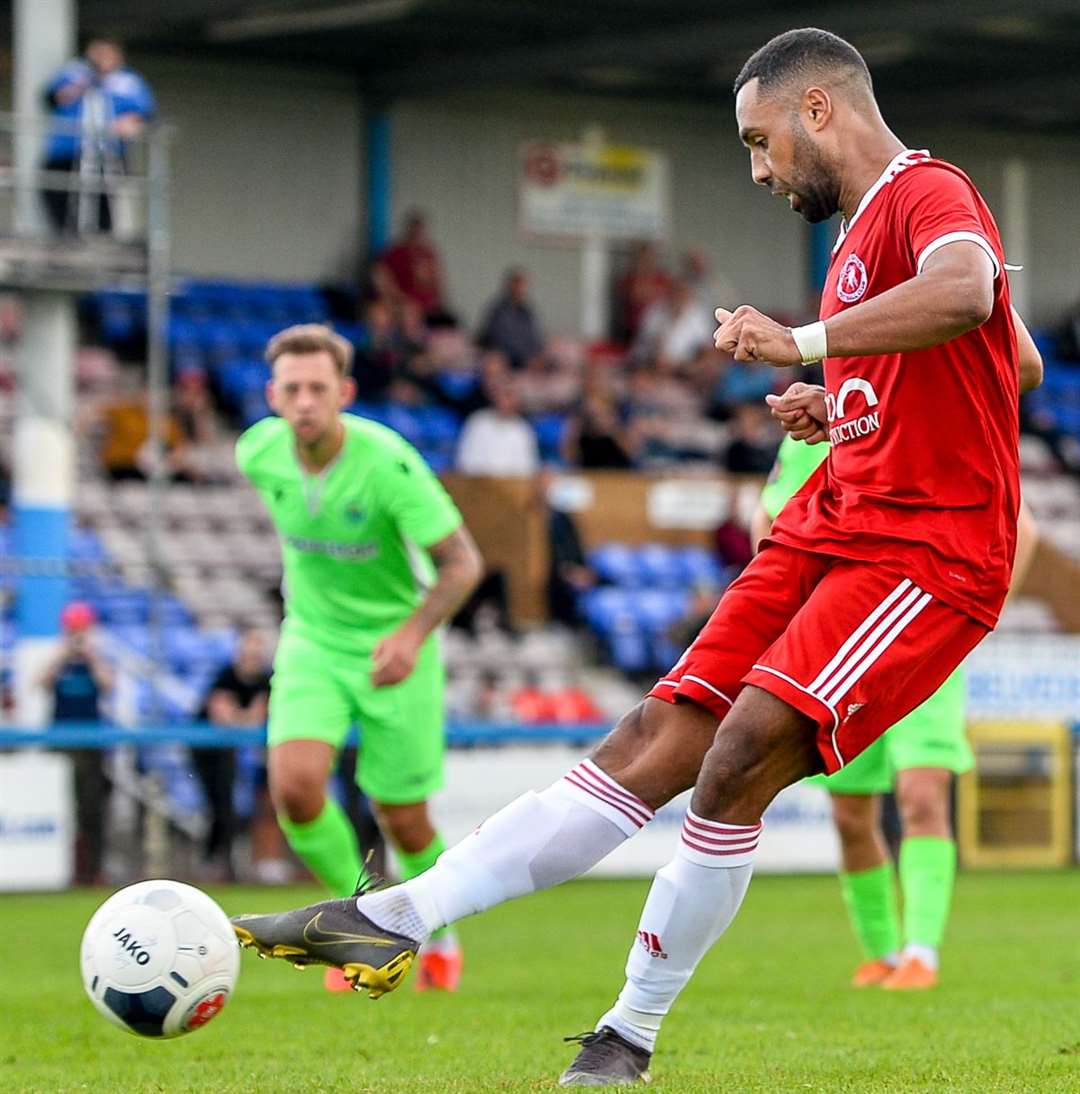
[(78, 678), (200, 457), (595, 438), (1068, 336), (238, 697), (5, 493), (674, 328), (385, 354), (126, 451), (754, 442), (741, 382), (569, 574), (417, 270), (380, 284), (712, 289), (101, 105), (511, 324), (498, 440), (643, 284)]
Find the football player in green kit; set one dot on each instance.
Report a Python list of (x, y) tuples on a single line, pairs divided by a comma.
[(375, 559)]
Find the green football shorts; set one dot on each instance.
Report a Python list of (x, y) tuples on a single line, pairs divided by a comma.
[(318, 694), (932, 735)]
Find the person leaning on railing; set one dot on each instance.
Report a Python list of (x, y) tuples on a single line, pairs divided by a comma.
[(102, 104)]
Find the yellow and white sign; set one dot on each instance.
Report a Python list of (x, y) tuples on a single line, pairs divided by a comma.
[(576, 190)]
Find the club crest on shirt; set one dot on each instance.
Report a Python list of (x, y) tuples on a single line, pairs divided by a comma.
[(353, 513), (851, 284)]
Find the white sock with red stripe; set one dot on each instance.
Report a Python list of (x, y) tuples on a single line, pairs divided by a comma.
[(535, 842), (691, 903)]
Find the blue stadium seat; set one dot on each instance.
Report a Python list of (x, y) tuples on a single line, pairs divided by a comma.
[(659, 564), (608, 607), (239, 377), (84, 545), (128, 606), (354, 332), (616, 564), (549, 431), (173, 769), (405, 421), (630, 651), (699, 567), (375, 412), (657, 609), (456, 384), (121, 315)]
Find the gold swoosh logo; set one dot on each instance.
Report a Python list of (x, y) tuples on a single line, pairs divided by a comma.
[(315, 935)]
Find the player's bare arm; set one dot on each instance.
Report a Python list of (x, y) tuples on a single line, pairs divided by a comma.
[(1030, 359), (459, 567), (953, 294)]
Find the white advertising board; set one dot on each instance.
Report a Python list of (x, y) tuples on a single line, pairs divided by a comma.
[(798, 836), (1029, 676), (36, 821), (575, 190)]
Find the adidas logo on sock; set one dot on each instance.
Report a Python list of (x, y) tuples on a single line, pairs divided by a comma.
[(651, 942)]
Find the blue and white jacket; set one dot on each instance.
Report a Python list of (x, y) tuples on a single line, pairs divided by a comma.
[(105, 99)]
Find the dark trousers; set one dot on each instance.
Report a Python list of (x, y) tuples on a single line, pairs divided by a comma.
[(217, 771), (62, 206), (92, 789)]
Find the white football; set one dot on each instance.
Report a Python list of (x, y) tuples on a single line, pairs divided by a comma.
[(159, 959)]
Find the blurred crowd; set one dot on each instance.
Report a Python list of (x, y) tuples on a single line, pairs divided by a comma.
[(656, 392), (517, 396)]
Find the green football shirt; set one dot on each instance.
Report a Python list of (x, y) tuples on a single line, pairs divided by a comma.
[(353, 536), (795, 463)]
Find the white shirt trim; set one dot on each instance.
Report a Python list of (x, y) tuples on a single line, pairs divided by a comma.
[(957, 237), (708, 687), (898, 163)]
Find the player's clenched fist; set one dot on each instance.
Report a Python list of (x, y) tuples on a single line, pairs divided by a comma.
[(801, 411), (750, 336), (394, 658)]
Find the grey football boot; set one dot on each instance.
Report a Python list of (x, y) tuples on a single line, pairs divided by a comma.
[(336, 933), (606, 1059)]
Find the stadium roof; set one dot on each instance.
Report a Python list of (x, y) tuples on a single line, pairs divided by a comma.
[(986, 64)]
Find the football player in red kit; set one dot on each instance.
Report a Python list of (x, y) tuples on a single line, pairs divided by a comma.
[(877, 579)]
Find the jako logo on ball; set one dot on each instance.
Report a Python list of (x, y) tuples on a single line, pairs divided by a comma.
[(132, 946)]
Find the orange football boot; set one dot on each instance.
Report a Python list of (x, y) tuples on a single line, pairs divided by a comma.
[(911, 975), (440, 968), (334, 980), (871, 973)]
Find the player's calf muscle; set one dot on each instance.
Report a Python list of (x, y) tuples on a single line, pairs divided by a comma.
[(655, 751)]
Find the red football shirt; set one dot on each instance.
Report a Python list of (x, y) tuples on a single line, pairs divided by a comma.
[(923, 473)]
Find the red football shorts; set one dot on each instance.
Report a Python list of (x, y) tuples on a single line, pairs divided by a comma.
[(852, 645)]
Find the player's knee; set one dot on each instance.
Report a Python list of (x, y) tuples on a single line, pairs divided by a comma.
[(924, 810), (726, 776), (854, 819), (298, 794), (407, 827)]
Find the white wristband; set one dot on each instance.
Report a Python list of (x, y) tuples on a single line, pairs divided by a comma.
[(811, 341)]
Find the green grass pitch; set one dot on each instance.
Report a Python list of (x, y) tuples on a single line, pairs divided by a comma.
[(768, 1011)]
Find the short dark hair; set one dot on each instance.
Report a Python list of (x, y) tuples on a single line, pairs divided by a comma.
[(803, 52)]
